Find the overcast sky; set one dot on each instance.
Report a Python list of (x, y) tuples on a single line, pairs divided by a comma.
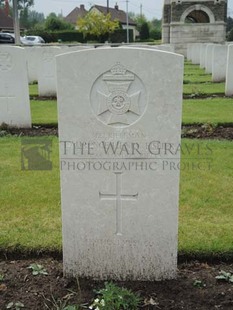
[(151, 8)]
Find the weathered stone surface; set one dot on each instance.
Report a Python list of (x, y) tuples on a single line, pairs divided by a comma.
[(47, 71), (203, 55), (195, 54), (189, 21), (119, 130), (14, 92), (33, 62), (209, 58), (219, 63)]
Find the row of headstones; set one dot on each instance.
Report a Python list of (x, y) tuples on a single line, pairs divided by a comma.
[(20, 66), (41, 64), (119, 112), (216, 59)]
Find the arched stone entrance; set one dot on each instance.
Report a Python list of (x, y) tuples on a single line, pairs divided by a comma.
[(188, 21)]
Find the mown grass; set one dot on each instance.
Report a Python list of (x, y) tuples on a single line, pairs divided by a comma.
[(204, 88), (44, 112), (30, 216), (213, 110), (33, 90), (196, 81), (206, 197)]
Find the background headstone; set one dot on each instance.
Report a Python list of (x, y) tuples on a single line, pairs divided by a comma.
[(229, 72), (47, 71), (33, 62), (14, 92), (118, 113), (219, 63), (202, 55), (195, 53), (209, 57)]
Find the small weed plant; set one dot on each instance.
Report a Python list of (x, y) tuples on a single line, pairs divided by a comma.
[(38, 270), (113, 297), (1, 277), (59, 304), (225, 276), (199, 284), (15, 305)]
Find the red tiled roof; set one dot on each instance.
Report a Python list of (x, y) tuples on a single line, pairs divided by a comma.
[(73, 16), (115, 14), (6, 22)]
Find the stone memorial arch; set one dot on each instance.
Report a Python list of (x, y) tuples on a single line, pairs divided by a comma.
[(188, 21)]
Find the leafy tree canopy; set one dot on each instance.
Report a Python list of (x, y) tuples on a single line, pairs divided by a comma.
[(229, 23), (53, 23), (97, 24)]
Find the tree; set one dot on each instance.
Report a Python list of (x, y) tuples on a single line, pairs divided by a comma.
[(140, 20), (35, 17), (144, 32), (230, 35), (229, 23), (53, 23), (23, 7), (25, 4), (97, 24), (155, 29)]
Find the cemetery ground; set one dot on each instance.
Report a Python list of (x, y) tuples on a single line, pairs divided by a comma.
[(31, 218)]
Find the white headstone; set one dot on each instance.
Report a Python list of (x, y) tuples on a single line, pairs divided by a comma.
[(162, 47), (195, 53), (47, 71), (219, 63), (14, 92), (189, 53), (229, 72), (79, 48), (119, 115), (202, 55), (209, 57), (33, 62)]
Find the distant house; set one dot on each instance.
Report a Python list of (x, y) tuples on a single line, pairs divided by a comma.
[(117, 14), (74, 15), (6, 22)]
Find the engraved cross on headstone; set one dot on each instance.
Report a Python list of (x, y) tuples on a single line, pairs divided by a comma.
[(118, 197)]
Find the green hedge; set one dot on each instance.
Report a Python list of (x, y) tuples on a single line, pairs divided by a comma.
[(63, 35), (118, 36)]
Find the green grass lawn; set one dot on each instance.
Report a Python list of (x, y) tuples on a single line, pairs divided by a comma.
[(30, 216), (206, 202), (33, 90), (204, 88), (214, 111), (196, 81), (29, 201), (44, 112)]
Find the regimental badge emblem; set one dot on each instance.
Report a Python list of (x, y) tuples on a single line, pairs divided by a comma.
[(118, 97), (5, 62)]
